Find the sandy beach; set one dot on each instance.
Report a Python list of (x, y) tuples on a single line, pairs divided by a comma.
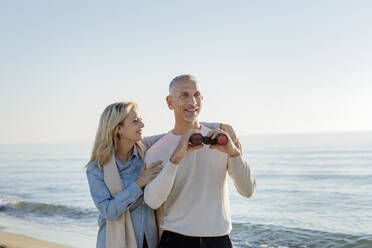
[(11, 240)]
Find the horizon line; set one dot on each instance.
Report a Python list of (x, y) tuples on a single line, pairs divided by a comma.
[(241, 135)]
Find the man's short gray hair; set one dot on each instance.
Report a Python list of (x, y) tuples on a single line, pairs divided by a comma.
[(172, 84)]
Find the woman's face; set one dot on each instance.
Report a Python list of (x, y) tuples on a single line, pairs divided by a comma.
[(131, 129)]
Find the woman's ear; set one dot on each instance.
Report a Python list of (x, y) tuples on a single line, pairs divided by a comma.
[(119, 130)]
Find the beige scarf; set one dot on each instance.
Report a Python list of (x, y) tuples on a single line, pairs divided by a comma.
[(120, 232)]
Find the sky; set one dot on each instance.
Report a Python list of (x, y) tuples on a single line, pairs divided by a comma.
[(265, 67)]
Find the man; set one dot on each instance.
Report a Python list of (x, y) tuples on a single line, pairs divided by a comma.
[(192, 189)]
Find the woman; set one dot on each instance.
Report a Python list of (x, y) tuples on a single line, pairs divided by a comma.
[(117, 176)]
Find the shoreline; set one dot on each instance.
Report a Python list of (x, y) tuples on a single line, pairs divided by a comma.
[(14, 240), (46, 235)]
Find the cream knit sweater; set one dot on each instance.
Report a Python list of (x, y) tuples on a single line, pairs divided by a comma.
[(194, 193)]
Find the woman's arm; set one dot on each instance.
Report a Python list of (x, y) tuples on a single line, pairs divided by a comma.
[(111, 207), (150, 140)]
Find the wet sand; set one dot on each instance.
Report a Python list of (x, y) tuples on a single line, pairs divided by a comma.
[(11, 240)]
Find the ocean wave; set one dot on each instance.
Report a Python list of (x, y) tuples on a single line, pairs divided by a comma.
[(260, 235), (243, 235), (17, 207)]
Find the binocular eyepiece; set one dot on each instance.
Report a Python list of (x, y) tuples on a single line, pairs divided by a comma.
[(198, 139)]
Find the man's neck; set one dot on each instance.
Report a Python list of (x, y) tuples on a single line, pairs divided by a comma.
[(181, 127)]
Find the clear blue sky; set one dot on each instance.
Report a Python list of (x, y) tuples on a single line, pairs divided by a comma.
[(264, 66)]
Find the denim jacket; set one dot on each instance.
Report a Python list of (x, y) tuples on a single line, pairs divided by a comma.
[(131, 198)]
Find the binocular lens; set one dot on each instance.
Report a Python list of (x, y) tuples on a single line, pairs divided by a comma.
[(198, 139), (221, 139)]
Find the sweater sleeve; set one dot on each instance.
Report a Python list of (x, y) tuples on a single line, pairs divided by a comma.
[(242, 176), (157, 191)]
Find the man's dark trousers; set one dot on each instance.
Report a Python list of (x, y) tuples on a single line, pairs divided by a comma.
[(175, 240)]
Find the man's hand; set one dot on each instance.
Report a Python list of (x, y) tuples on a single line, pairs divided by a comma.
[(227, 128), (230, 148), (184, 148)]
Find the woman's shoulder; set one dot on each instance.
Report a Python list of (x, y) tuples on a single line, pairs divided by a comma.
[(93, 168)]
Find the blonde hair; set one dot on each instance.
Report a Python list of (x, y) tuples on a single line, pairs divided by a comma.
[(107, 138)]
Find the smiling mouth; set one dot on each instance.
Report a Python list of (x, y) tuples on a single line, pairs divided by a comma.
[(191, 111)]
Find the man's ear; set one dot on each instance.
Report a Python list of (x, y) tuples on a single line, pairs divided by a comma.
[(169, 102)]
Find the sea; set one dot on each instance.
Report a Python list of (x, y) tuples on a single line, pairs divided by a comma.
[(313, 190)]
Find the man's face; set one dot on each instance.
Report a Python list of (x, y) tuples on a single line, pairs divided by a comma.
[(186, 100)]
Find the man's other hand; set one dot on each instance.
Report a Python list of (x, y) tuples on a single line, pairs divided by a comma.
[(230, 148), (229, 129)]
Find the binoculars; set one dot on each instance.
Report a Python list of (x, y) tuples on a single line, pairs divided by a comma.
[(198, 139)]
